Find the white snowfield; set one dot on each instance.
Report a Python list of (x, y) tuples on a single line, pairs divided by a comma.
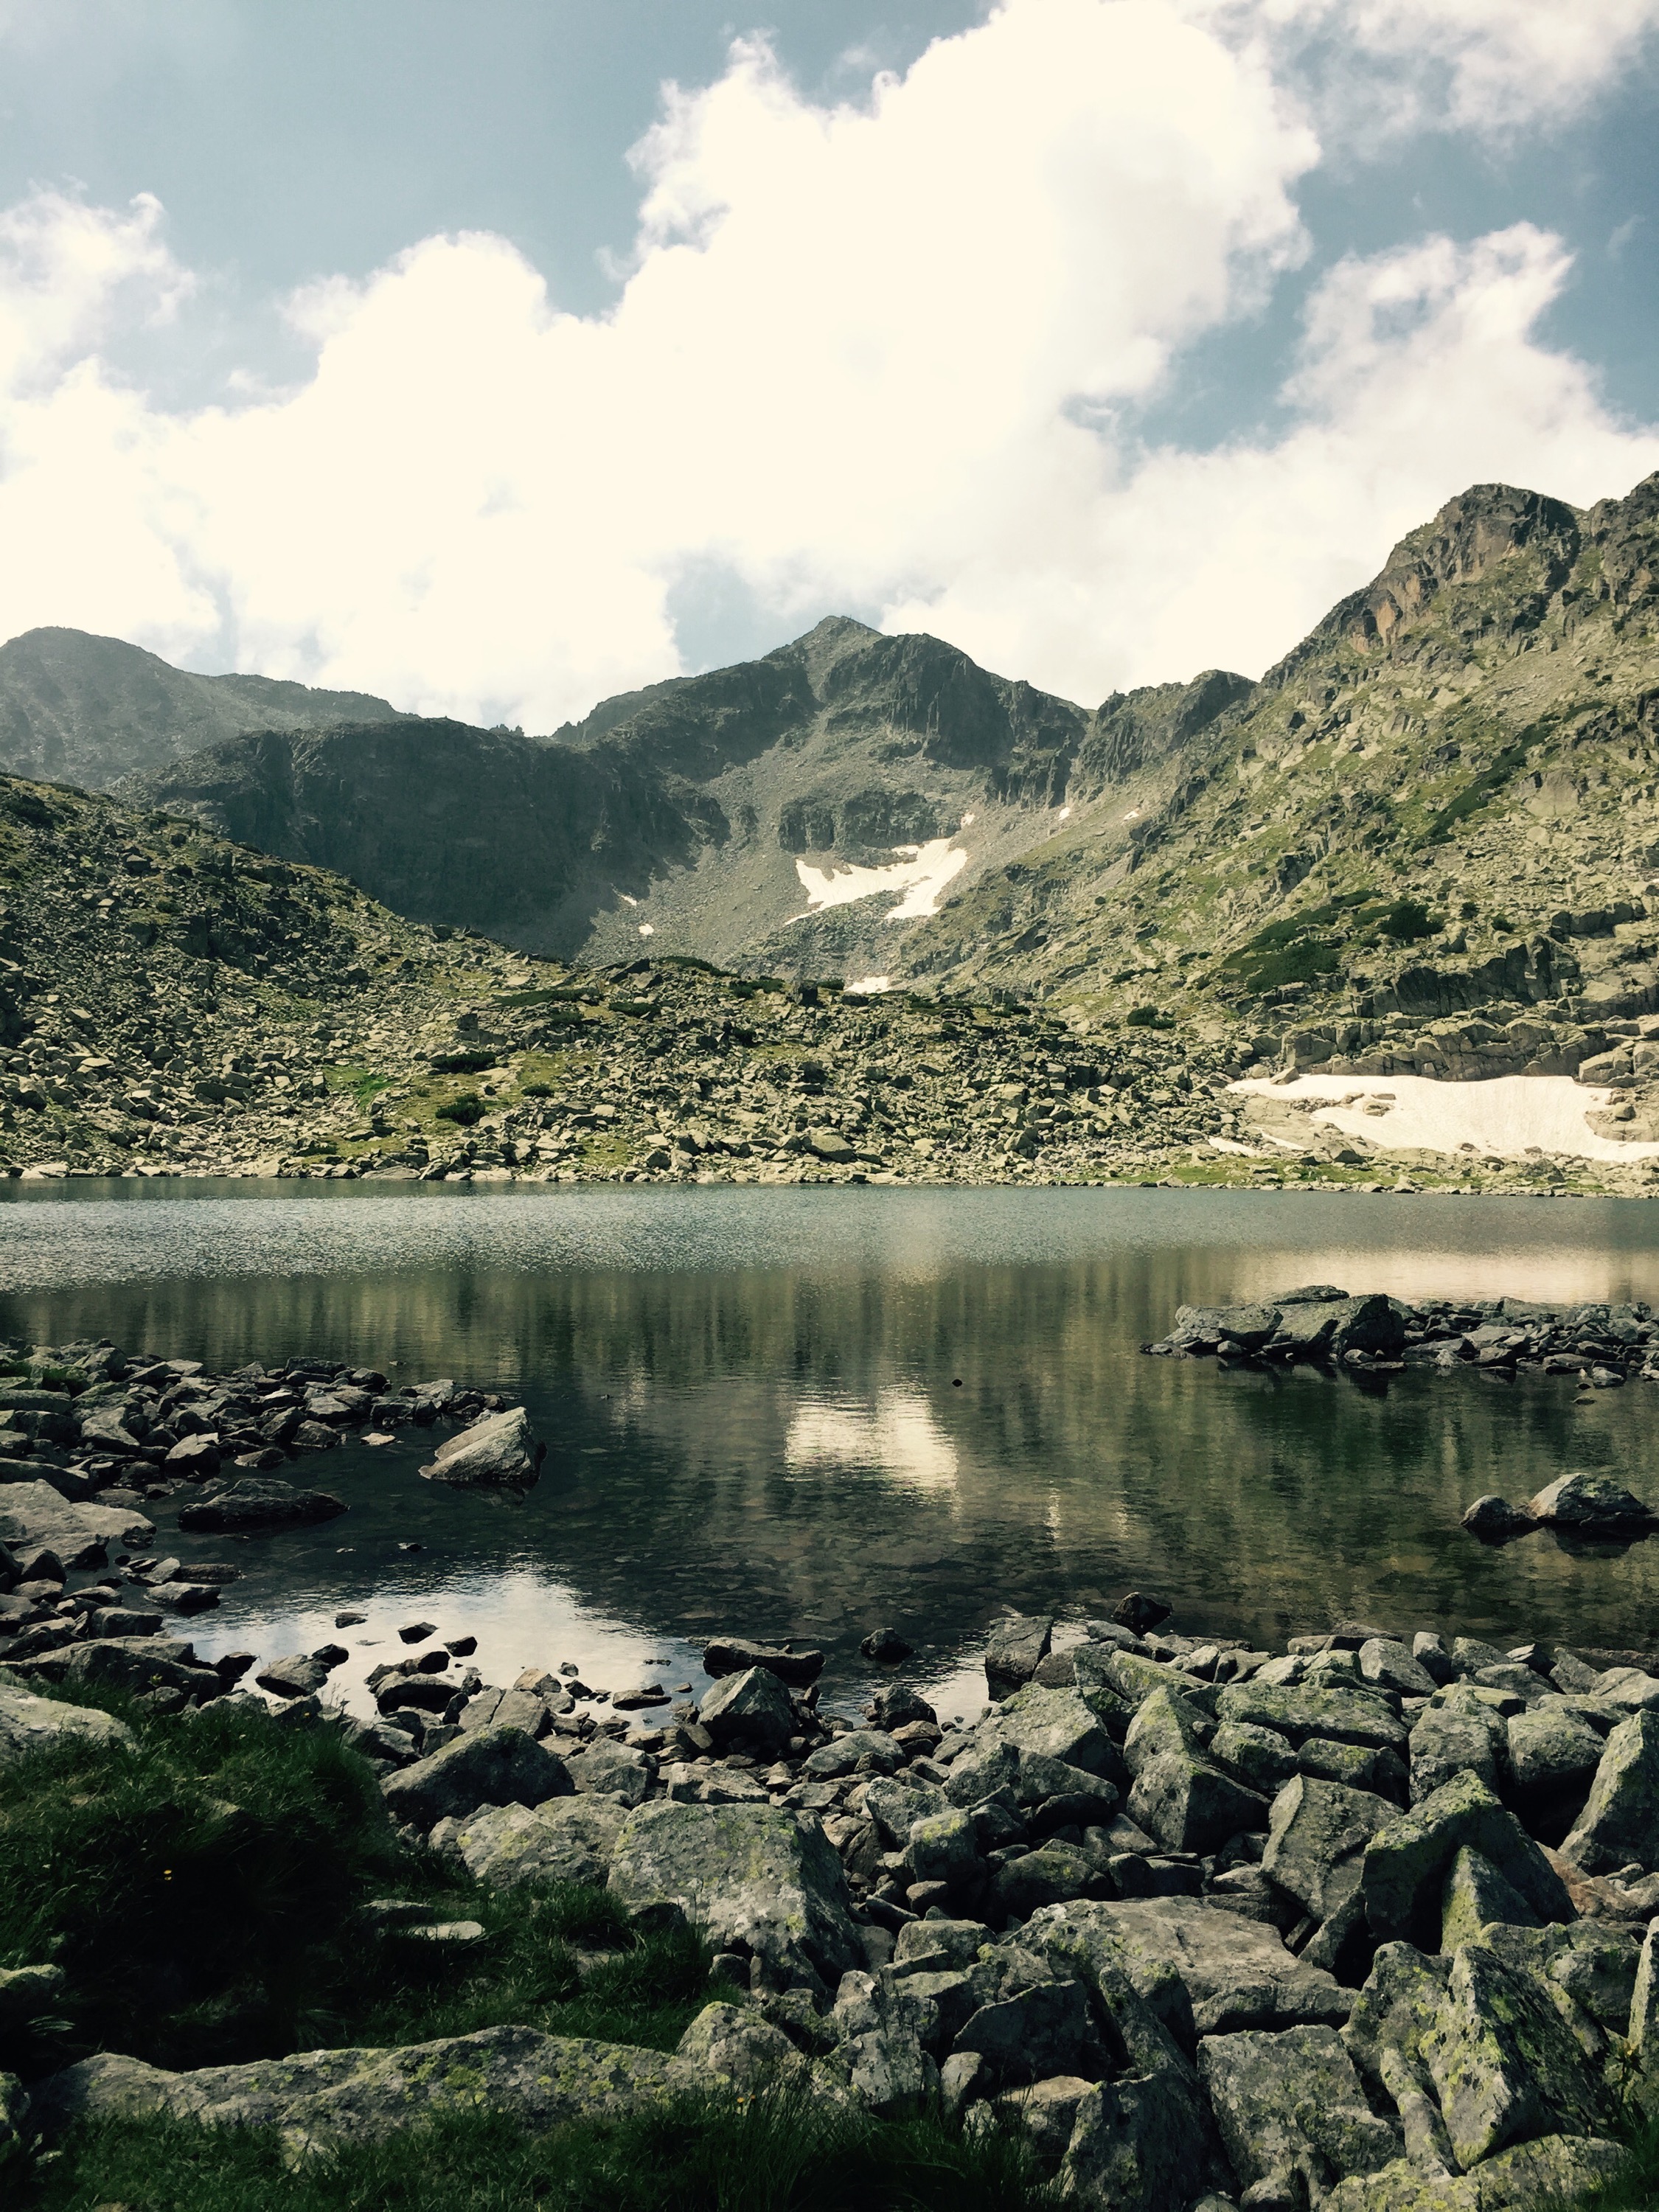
[(1507, 1115), (922, 879)]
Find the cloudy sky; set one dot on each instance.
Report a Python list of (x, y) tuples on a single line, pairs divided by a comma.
[(495, 354)]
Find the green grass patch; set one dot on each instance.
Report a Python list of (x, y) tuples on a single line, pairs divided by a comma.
[(362, 1083), (732, 2155), (766, 2154), (1476, 795), (204, 1891)]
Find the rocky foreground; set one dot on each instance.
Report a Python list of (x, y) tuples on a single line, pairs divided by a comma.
[(1362, 1924)]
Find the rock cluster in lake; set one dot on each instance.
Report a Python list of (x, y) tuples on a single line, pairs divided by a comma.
[(1598, 1345), (91, 1437), (1361, 1924)]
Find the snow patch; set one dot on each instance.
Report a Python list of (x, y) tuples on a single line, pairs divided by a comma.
[(1507, 1115), (867, 987), (922, 878), (648, 929)]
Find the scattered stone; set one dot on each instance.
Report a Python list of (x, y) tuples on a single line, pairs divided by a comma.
[(500, 1452)]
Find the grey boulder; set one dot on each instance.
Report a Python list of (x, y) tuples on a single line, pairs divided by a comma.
[(1405, 1863), (1292, 2112), (320, 2097), (752, 1706), (1619, 1822), (562, 1839), (1014, 1650), (500, 1452), (491, 1767), (754, 1877), (259, 1502), (1504, 2063)]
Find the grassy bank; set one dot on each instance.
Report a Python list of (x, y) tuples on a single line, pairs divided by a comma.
[(208, 1892)]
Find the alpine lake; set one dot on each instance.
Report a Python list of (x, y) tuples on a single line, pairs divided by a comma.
[(806, 1414)]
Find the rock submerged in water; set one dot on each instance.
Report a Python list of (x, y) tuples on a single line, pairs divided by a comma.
[(1584, 1504), (500, 1452), (258, 1501)]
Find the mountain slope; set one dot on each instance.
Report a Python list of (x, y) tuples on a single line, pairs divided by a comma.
[(1446, 798), (719, 816), (76, 708)]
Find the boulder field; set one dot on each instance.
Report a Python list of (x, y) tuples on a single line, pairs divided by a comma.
[(1362, 1924)]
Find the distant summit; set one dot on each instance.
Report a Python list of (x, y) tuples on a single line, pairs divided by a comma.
[(77, 708)]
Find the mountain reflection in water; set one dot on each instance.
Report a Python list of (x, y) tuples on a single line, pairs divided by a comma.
[(805, 1412)]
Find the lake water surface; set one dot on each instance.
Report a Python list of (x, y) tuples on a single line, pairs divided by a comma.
[(806, 1412)]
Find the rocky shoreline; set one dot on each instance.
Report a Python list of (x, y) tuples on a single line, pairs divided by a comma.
[(1362, 1924)]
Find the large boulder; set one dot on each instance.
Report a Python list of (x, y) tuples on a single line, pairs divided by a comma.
[(1026, 2034), (1592, 1503), (1463, 1736), (1619, 1822), (1317, 1834), (1292, 2112), (1054, 1723), (1302, 1710), (34, 1517), (1405, 1863), (1236, 1973), (1189, 1805), (1553, 2170), (491, 1767), (133, 1663), (562, 1839), (753, 1876), (319, 2097), (1554, 1754), (608, 1769), (1506, 2064), (500, 1452), (258, 1501), (1014, 1650), (750, 1707), (734, 1655), (28, 1723)]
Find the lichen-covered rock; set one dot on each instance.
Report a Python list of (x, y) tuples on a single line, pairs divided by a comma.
[(1621, 1820), (894, 1805), (14, 2115), (1262, 1759), (34, 1517), (887, 2032), (1475, 1895), (1457, 1738), (319, 2097), (1317, 1832), (750, 1707), (1395, 2009), (1140, 2143), (1506, 2065), (1590, 1502), (491, 1767), (27, 1992), (1233, 1973), (259, 1502), (1554, 2170), (500, 1452), (133, 1663), (1290, 2106), (606, 1769), (732, 2048), (1045, 2028), (1299, 1710), (1053, 1874), (28, 1723), (1553, 1754), (1055, 1723), (940, 1848), (562, 1839), (1014, 1650), (1405, 1865), (1179, 1796), (753, 1876)]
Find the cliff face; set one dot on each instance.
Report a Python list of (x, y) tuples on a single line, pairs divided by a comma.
[(725, 814), (89, 710)]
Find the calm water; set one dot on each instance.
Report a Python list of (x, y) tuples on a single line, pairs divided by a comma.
[(806, 1412)]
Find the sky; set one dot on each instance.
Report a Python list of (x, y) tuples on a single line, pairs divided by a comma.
[(494, 357)]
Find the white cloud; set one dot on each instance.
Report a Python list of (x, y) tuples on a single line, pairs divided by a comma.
[(872, 354), (1489, 64)]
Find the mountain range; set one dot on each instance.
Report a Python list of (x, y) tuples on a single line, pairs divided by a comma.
[(1443, 799)]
